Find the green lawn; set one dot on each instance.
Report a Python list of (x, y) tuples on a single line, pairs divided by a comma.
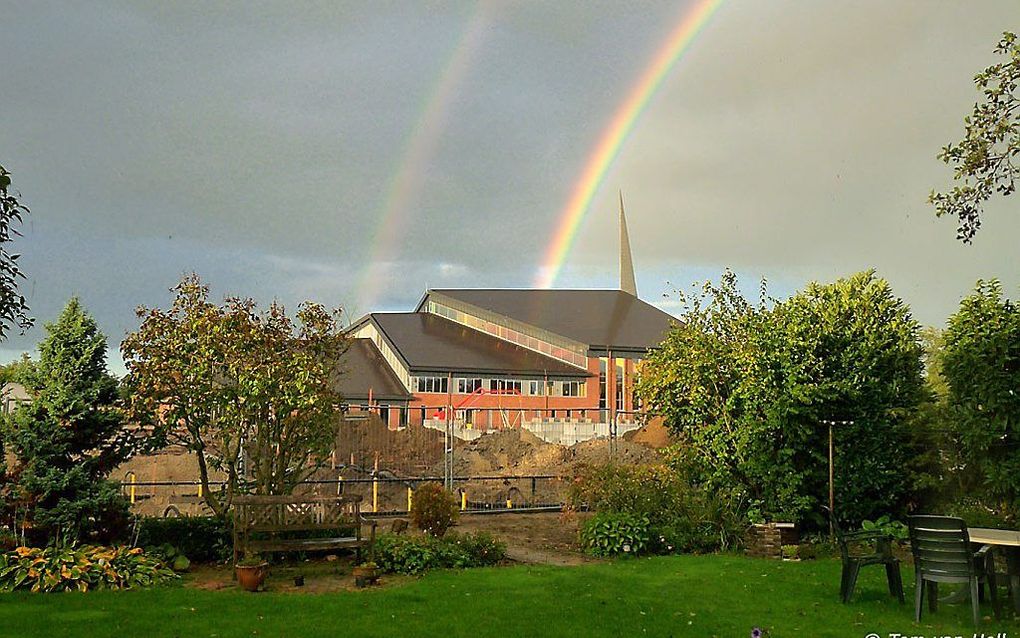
[(667, 596)]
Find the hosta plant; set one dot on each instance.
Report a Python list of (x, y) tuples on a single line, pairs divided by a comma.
[(81, 568), (614, 533)]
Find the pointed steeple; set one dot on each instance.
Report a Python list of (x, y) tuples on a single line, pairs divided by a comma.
[(627, 283)]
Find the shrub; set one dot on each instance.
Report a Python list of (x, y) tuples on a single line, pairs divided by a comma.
[(433, 510), (682, 516), (203, 539), (482, 548), (418, 554), (979, 514), (613, 533), (897, 530), (80, 568)]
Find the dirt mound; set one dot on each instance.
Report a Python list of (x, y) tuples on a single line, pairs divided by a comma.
[(596, 452), (517, 451), (411, 451), (654, 435), (512, 451)]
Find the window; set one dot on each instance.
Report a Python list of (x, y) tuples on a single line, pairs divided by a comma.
[(536, 388), (603, 365), (506, 386), (573, 389), (620, 382), (431, 384), (467, 386)]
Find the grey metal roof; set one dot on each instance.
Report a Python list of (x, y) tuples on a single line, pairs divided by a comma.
[(429, 343), (365, 369), (602, 319)]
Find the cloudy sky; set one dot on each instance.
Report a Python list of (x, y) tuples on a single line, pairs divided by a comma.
[(262, 145)]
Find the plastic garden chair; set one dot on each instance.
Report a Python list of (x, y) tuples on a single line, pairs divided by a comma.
[(943, 554), (860, 549)]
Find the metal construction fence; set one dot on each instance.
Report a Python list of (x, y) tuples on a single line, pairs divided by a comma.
[(493, 458), (379, 495)]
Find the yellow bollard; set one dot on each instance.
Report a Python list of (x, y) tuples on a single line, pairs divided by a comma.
[(410, 495), (509, 504), (134, 480), (463, 501), (375, 495), (199, 490), (339, 485)]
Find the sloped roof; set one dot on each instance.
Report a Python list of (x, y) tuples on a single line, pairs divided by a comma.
[(602, 319), (365, 369), (429, 343)]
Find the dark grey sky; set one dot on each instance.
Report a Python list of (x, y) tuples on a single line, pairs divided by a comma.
[(256, 145)]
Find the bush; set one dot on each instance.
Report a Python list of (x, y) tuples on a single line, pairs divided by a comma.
[(203, 539), (433, 509), (895, 529), (682, 516), (613, 533), (81, 568), (482, 548), (978, 514), (418, 554)]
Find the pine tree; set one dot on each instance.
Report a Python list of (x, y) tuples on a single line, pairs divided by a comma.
[(70, 437)]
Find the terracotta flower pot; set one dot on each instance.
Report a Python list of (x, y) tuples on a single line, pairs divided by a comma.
[(251, 577)]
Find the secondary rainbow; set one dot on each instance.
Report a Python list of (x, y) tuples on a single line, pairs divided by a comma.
[(421, 146), (613, 137)]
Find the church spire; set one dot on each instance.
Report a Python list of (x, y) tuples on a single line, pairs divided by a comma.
[(627, 283)]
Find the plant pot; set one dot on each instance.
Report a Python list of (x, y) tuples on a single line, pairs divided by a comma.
[(365, 576), (251, 577)]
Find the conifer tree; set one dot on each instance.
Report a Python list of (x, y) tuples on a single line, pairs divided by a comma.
[(70, 437)]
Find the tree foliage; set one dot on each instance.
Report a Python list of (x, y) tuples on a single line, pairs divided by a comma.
[(984, 161), (253, 394), (69, 438), (981, 364), (746, 389), (13, 305)]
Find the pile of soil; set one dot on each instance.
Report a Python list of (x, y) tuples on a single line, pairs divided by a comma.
[(654, 435), (518, 451)]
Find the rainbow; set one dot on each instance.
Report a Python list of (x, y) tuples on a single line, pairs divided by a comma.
[(421, 146), (613, 137)]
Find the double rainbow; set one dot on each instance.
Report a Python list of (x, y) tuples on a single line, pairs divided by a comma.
[(408, 180), (613, 137)]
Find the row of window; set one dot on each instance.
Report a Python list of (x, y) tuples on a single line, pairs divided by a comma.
[(501, 385)]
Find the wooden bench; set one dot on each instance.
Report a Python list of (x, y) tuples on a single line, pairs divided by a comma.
[(272, 516)]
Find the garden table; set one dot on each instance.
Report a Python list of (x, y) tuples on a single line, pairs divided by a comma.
[(1006, 542)]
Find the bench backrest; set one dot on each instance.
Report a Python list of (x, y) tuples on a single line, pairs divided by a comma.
[(296, 513)]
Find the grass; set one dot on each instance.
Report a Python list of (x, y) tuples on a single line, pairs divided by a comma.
[(663, 596)]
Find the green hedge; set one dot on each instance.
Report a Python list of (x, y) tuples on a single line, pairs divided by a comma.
[(203, 539), (417, 554)]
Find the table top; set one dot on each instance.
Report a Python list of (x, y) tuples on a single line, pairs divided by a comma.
[(988, 536)]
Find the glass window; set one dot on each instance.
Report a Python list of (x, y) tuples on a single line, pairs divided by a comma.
[(431, 384), (468, 386)]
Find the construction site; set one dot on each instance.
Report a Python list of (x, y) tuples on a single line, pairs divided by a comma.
[(493, 469)]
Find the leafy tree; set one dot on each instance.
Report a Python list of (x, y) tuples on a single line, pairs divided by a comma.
[(13, 306), (982, 367), (70, 437), (985, 159), (17, 371), (252, 394), (745, 388)]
